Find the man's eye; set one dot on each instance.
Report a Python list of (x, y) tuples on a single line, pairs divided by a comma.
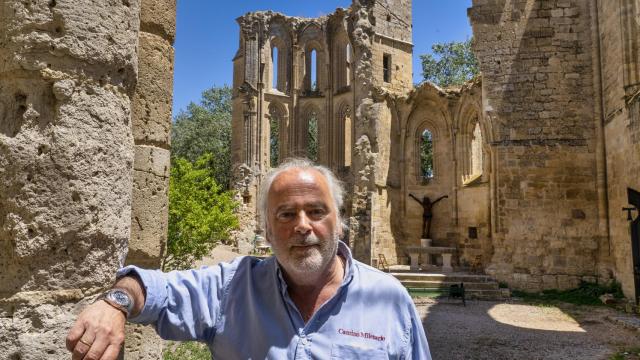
[(317, 212), (286, 215)]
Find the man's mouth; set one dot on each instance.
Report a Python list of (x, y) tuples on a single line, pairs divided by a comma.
[(304, 246)]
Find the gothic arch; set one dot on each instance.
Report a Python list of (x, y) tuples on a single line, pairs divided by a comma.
[(312, 41), (280, 44), (473, 137), (344, 137), (434, 130), (342, 61), (278, 119), (310, 123)]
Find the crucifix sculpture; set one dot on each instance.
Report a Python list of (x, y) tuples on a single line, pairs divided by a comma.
[(427, 213)]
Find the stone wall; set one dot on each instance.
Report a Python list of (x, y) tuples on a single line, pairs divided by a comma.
[(538, 84), (85, 110), (617, 31)]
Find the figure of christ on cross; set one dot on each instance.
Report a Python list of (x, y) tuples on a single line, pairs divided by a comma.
[(427, 213)]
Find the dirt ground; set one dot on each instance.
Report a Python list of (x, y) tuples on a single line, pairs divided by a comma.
[(495, 330)]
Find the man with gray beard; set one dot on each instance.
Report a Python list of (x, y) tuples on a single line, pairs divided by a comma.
[(311, 300)]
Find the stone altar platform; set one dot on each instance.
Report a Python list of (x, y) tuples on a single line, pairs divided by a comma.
[(414, 253)]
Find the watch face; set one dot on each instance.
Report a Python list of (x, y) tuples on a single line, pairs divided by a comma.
[(120, 297)]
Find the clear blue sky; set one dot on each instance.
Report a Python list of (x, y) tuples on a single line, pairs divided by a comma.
[(207, 36)]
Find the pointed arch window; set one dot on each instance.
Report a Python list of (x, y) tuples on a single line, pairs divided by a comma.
[(426, 158), (344, 134), (342, 65), (274, 68), (278, 71), (314, 80), (476, 151), (314, 70)]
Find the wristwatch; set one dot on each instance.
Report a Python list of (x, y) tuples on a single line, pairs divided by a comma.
[(119, 299)]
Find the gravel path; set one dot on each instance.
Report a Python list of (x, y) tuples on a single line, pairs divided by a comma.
[(494, 330)]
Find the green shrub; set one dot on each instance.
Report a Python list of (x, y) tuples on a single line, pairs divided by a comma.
[(187, 351), (585, 294), (201, 214)]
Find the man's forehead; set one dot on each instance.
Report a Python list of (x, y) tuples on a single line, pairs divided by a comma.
[(299, 177)]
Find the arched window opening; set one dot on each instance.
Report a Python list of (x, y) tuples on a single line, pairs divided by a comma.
[(347, 138), (386, 67), (274, 138), (312, 136), (314, 70), (342, 65), (476, 151), (274, 68), (426, 155)]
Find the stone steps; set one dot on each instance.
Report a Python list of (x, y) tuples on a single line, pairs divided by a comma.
[(446, 284), (481, 287)]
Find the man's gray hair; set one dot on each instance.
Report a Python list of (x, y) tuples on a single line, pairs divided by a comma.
[(335, 185)]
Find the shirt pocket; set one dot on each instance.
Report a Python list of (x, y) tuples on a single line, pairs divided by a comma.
[(341, 351)]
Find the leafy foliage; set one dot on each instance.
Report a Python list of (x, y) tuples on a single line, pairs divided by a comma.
[(200, 212), (274, 142), (312, 145), (627, 354), (451, 63), (426, 155), (187, 351), (206, 128)]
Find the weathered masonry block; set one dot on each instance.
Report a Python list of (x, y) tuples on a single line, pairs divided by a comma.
[(85, 113)]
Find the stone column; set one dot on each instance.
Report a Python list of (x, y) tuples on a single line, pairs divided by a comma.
[(151, 122), (366, 118), (68, 71)]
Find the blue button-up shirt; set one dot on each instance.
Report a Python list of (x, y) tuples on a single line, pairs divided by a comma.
[(242, 310)]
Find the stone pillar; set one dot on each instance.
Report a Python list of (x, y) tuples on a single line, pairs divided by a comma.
[(363, 163), (151, 122), (68, 70)]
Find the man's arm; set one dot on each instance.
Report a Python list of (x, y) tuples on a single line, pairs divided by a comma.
[(98, 333), (182, 305), (415, 198), (440, 198)]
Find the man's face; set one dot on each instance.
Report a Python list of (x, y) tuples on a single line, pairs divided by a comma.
[(302, 221)]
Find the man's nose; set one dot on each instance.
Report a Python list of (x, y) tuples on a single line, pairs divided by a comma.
[(303, 224)]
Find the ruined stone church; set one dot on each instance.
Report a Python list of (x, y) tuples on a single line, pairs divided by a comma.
[(535, 157), (539, 158)]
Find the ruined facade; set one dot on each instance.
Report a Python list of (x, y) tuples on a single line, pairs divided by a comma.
[(535, 157), (85, 114)]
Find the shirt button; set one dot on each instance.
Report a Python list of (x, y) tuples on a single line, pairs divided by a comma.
[(304, 341)]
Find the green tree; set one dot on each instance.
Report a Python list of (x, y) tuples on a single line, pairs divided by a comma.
[(201, 213), (205, 127), (451, 63), (274, 143), (426, 155), (312, 133)]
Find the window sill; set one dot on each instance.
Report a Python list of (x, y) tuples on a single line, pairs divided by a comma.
[(471, 180)]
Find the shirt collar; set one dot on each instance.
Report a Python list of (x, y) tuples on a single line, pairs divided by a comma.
[(343, 250)]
